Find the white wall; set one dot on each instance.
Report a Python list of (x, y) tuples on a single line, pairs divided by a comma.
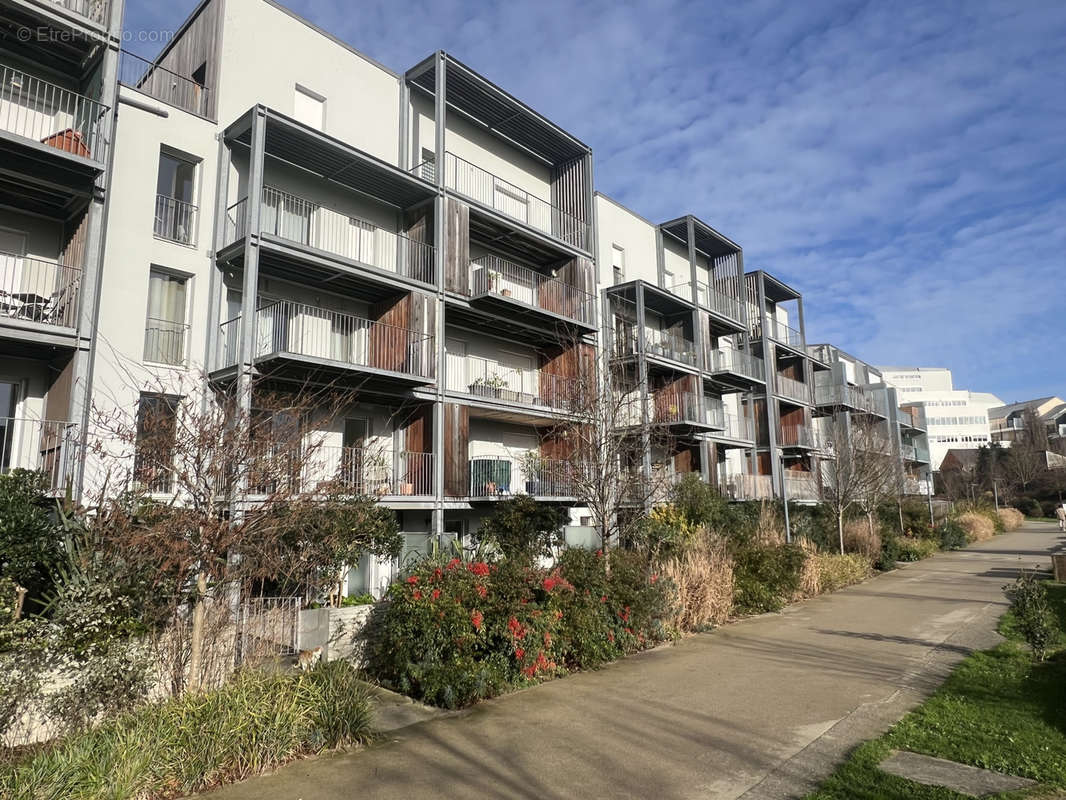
[(635, 235), (266, 53)]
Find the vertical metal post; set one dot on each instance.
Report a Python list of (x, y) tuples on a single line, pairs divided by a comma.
[(929, 496), (660, 257), (784, 502), (773, 413), (247, 328), (642, 381), (995, 490), (217, 290), (440, 241)]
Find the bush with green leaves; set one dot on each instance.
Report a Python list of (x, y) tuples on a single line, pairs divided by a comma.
[(1029, 506), (916, 548), (29, 534), (952, 535), (890, 551), (766, 576), (454, 632), (189, 744), (1032, 613), (522, 528)]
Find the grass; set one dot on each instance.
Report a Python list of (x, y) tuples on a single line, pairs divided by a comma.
[(174, 748), (1000, 709)]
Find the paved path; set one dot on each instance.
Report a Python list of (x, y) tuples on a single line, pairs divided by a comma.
[(760, 709)]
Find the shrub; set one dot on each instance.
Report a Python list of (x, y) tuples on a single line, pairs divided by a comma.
[(815, 523), (29, 535), (198, 741), (952, 535), (453, 633), (859, 539), (522, 528), (1047, 508), (1029, 506), (766, 577), (703, 580), (890, 551), (1012, 518), (1032, 613), (916, 549), (978, 527), (832, 571)]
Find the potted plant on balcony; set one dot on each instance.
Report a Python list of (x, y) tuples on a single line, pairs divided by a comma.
[(532, 468), (491, 385), (492, 279)]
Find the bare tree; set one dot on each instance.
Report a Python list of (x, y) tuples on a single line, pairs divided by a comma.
[(863, 472), (203, 496), (606, 436), (1024, 463)]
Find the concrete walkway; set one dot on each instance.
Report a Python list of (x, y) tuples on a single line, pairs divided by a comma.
[(760, 709)]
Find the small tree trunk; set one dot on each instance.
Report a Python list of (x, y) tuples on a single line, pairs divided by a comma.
[(196, 635), (899, 505), (840, 529)]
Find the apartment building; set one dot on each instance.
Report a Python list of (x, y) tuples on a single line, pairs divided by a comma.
[(1043, 417), (956, 419), (221, 218)]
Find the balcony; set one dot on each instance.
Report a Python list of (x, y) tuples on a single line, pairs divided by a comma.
[(175, 220), (494, 478), (782, 334), (165, 342), (316, 336), (657, 344), (304, 222), (748, 487), (96, 11), (801, 486), (738, 428), (736, 366), (371, 472), (796, 436), (38, 291), (46, 446), (908, 452), (159, 82), (514, 289), (505, 198), (683, 408), (490, 380), (849, 397), (53, 119), (791, 389), (722, 304)]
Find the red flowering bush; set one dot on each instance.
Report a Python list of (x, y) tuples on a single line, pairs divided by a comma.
[(453, 633)]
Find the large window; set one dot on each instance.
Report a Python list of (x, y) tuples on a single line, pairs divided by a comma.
[(165, 331), (157, 417), (618, 264), (175, 201)]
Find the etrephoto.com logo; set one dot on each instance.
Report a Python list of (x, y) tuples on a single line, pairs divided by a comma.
[(47, 34)]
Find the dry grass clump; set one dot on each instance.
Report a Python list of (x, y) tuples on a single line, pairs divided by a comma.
[(1012, 518), (859, 539), (703, 576), (828, 572), (769, 530), (978, 527)]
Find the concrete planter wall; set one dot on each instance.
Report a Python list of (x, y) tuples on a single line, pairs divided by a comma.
[(338, 631)]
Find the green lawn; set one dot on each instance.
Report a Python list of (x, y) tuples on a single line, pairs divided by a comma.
[(1000, 709)]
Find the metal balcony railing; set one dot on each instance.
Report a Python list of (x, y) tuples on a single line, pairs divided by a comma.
[(780, 332), (738, 427), (162, 84), (796, 436), (290, 328), (47, 113), (47, 446), (306, 222), (496, 476), (792, 389), (908, 452), (494, 192), (532, 387), (742, 486), (175, 220), (98, 11), (736, 362), (675, 407), (850, 396), (165, 341), (368, 471), (494, 275), (720, 302), (801, 486), (669, 345), (38, 290)]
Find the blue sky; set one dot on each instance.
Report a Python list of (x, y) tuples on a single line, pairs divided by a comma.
[(901, 164)]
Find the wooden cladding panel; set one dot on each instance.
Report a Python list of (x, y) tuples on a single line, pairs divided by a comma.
[(572, 365), (199, 45), (762, 431), (457, 246), (418, 225), (388, 345), (456, 450), (793, 370), (418, 433), (794, 417)]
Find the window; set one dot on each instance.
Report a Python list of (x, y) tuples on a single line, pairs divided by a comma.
[(175, 210), (165, 328), (618, 263), (9, 398), (309, 108), (153, 467)]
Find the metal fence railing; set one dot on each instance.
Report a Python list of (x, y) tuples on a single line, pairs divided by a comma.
[(742, 486), (370, 471), (98, 11), (267, 628), (496, 476), (792, 389), (291, 328), (490, 379), (796, 436), (736, 362), (512, 201), (162, 84), (721, 303), (309, 223), (738, 427), (175, 220), (495, 275), (47, 446), (165, 341), (39, 290), (47, 113), (801, 486)]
